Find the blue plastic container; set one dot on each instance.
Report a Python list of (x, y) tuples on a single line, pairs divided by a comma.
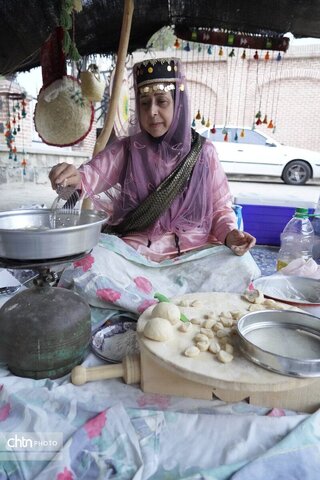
[(266, 222)]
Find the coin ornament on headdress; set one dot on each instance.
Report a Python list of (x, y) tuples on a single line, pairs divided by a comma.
[(160, 72)]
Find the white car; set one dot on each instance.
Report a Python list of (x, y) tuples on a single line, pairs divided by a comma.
[(258, 154)]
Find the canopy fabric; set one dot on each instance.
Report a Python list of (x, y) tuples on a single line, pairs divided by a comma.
[(26, 25)]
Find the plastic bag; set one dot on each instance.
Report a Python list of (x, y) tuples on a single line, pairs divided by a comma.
[(302, 268)]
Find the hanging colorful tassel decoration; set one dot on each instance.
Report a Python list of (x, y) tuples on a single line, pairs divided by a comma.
[(198, 116), (213, 130), (258, 122), (24, 164), (23, 111), (236, 136), (225, 138), (279, 57), (243, 56), (209, 51), (176, 43), (256, 56), (265, 120), (258, 114), (193, 124), (220, 52), (208, 123), (231, 54), (242, 133), (267, 56), (270, 124), (224, 131), (187, 48), (203, 122)]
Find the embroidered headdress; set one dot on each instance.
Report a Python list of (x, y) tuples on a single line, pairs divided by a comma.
[(157, 74)]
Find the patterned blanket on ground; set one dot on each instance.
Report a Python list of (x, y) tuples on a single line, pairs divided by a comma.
[(115, 431)]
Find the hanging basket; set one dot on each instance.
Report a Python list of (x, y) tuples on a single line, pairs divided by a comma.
[(63, 117), (92, 86)]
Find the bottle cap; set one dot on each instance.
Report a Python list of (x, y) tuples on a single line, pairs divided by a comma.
[(301, 213)]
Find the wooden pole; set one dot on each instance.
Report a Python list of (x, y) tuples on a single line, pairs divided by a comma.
[(118, 77)]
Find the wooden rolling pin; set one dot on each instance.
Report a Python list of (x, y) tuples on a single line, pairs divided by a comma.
[(129, 370)]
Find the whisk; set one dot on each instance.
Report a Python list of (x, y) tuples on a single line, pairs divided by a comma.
[(66, 208)]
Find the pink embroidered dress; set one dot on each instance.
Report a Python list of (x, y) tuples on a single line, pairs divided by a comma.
[(129, 169)]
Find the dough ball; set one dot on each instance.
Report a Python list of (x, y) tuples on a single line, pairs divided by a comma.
[(224, 356), (192, 351), (167, 310), (254, 296), (158, 329)]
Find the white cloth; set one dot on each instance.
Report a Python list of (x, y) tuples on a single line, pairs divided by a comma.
[(116, 276)]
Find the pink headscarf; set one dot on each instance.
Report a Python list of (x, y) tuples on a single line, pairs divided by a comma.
[(134, 166)]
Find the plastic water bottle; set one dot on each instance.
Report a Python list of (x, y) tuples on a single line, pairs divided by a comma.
[(296, 239), (316, 226)]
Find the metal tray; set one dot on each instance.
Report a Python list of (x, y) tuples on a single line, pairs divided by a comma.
[(290, 289), (285, 341), (115, 339), (301, 292), (40, 234)]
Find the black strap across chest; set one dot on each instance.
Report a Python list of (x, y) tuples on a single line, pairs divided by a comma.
[(145, 214)]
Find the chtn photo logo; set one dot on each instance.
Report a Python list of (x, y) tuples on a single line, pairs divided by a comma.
[(30, 445), (25, 441)]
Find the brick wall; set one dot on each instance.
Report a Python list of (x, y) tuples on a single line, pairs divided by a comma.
[(229, 90), (232, 90)]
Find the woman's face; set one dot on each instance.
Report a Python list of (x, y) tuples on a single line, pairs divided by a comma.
[(156, 112)]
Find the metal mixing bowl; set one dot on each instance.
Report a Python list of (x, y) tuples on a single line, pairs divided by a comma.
[(40, 234)]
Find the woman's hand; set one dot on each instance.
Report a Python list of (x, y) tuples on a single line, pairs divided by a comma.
[(64, 174), (239, 242)]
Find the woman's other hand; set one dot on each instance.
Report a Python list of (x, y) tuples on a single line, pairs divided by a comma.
[(64, 174), (239, 242)]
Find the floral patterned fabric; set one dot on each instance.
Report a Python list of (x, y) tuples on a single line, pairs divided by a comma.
[(115, 276), (115, 431)]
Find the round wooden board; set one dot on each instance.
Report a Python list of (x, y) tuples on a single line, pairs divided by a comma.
[(240, 374)]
